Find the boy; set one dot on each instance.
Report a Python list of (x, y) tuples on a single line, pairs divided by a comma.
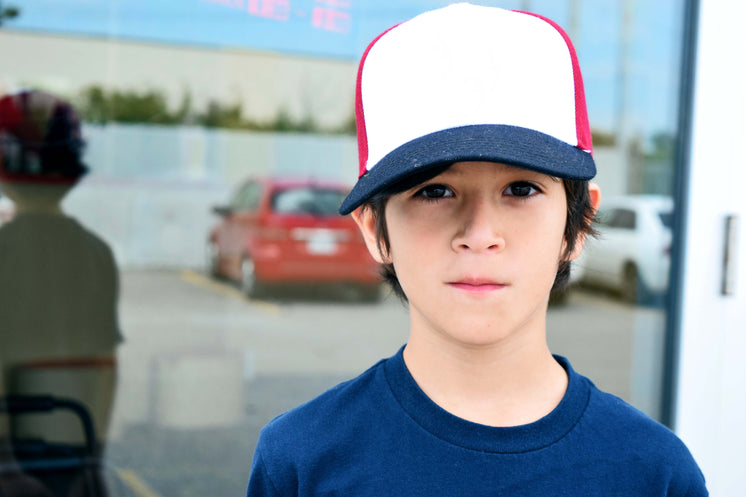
[(58, 280), (475, 156)]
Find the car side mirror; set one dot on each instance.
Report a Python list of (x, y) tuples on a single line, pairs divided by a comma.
[(222, 210)]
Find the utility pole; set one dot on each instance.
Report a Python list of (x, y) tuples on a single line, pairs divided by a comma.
[(623, 131), (573, 25), (625, 38)]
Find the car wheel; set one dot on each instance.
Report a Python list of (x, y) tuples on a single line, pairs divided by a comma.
[(249, 284), (212, 258), (370, 294), (633, 289)]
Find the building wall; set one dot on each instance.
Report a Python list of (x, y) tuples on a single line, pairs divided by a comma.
[(157, 184), (262, 82), (711, 401)]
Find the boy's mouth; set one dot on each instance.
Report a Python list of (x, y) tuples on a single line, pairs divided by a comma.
[(477, 285)]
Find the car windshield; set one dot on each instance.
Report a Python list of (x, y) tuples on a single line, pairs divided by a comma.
[(666, 218), (307, 200)]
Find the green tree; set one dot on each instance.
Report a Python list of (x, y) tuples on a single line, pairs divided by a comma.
[(8, 13), (94, 105), (603, 138), (100, 106), (220, 115), (184, 113), (132, 107), (664, 145)]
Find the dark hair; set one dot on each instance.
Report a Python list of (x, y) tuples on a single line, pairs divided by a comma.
[(580, 218)]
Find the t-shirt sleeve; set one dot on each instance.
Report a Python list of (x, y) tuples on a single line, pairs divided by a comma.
[(697, 491), (696, 486), (260, 483), (687, 478)]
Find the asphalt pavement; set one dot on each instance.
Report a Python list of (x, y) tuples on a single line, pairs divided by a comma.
[(202, 369)]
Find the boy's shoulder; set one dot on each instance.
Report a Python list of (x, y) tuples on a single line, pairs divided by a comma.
[(630, 436), (606, 418), (307, 445), (330, 412), (380, 424), (620, 419)]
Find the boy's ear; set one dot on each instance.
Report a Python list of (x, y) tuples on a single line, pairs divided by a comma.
[(366, 221), (595, 192), (595, 197)]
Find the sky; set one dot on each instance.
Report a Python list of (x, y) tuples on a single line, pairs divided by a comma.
[(342, 29)]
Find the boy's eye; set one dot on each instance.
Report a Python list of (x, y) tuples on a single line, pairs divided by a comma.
[(435, 192), (520, 189)]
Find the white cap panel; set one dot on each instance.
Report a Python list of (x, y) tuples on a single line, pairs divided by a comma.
[(408, 93)]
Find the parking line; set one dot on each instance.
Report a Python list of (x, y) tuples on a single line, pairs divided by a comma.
[(136, 484), (226, 290)]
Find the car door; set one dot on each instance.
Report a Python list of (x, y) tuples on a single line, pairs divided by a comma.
[(240, 224), (606, 256), (620, 244)]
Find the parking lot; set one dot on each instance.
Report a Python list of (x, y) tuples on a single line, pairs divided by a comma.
[(202, 368)]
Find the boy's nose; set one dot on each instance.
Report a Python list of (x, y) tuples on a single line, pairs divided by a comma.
[(480, 229)]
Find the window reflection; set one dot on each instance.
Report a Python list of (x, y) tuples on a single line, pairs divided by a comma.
[(59, 291), (180, 110), (283, 233), (319, 202)]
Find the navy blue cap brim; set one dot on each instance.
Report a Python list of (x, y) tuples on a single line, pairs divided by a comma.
[(511, 145)]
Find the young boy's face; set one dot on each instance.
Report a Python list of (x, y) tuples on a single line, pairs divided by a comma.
[(476, 250)]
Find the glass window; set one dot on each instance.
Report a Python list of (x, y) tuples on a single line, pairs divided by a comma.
[(313, 201), (666, 218), (622, 219), (247, 198), (181, 356)]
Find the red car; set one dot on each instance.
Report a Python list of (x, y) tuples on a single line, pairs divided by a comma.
[(283, 231)]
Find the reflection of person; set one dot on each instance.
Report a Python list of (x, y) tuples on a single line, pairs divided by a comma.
[(58, 281), (474, 195)]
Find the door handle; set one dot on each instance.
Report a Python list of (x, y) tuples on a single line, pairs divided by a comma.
[(730, 255)]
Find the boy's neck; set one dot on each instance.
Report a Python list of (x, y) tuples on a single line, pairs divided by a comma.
[(39, 208), (507, 384)]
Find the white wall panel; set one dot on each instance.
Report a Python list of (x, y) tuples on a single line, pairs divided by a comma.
[(711, 403)]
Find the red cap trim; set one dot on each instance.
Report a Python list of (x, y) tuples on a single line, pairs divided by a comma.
[(362, 136)]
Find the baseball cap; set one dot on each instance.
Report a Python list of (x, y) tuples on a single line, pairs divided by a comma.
[(469, 83), (40, 139)]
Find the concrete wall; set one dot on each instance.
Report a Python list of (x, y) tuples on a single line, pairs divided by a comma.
[(262, 82), (151, 188), (184, 153)]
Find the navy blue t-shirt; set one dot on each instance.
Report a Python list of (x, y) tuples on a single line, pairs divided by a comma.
[(380, 435)]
